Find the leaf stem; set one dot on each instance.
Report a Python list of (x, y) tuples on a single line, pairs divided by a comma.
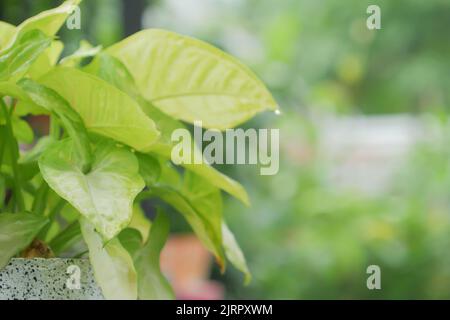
[(14, 149)]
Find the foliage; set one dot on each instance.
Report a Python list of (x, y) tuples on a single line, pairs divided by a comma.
[(109, 147)]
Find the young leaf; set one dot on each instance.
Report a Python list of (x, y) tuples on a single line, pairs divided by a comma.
[(234, 252), (191, 80), (49, 21), (112, 264), (15, 61), (152, 285), (104, 109), (105, 195), (17, 231)]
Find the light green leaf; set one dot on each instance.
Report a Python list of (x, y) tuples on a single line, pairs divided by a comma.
[(112, 264), (85, 50), (199, 203), (234, 252), (17, 231), (22, 130), (113, 71), (164, 146), (152, 285), (15, 61), (105, 195), (7, 31), (104, 109), (46, 61), (191, 80), (49, 21), (13, 90), (139, 221)]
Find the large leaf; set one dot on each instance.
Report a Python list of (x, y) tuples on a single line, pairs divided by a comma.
[(17, 231), (152, 285), (113, 71), (16, 60), (104, 109), (192, 80), (105, 195), (112, 264), (49, 21)]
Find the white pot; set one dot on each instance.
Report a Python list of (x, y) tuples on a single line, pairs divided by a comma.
[(48, 279)]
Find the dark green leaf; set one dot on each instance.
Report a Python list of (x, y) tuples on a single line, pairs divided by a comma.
[(131, 239)]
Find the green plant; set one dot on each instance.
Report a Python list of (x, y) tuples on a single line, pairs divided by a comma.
[(109, 148)]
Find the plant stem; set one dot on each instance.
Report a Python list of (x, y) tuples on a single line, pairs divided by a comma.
[(55, 127), (14, 149)]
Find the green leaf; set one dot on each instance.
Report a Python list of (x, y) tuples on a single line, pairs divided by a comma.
[(131, 240), (105, 195), (112, 264), (17, 231), (66, 239), (85, 50), (46, 61), (234, 252), (149, 168), (152, 285), (104, 109), (199, 202), (164, 146), (112, 70), (7, 31), (191, 80), (15, 61), (34, 154), (72, 122), (13, 90), (49, 21), (139, 221), (21, 129)]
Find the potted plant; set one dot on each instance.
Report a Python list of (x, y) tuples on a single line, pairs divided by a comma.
[(77, 191)]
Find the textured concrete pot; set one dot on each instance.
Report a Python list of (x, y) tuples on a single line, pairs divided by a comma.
[(48, 279)]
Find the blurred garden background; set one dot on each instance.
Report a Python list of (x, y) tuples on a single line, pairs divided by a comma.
[(365, 139)]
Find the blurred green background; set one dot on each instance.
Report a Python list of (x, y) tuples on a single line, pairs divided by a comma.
[(364, 166)]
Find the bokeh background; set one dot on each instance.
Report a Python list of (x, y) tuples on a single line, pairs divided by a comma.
[(365, 140)]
